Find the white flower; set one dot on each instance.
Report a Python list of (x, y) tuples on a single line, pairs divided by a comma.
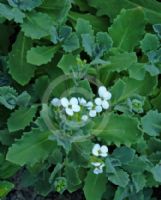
[(100, 150), (56, 102), (84, 118), (82, 101), (105, 105), (99, 169), (89, 105), (70, 106), (103, 93), (102, 102), (98, 109), (92, 113)]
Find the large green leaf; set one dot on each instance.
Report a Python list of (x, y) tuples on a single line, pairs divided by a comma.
[(124, 88), (37, 25), (112, 8), (95, 186), (127, 29), (21, 118), (120, 62), (117, 129), (19, 69), (40, 55), (151, 123), (33, 147)]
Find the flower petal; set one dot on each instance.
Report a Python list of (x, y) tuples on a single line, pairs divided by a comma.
[(98, 101), (74, 101), (75, 108), (98, 109), (92, 113), (104, 149), (82, 101), (96, 149), (96, 164), (69, 111), (64, 102), (102, 90), (107, 95), (105, 105), (84, 118), (56, 102), (98, 171)]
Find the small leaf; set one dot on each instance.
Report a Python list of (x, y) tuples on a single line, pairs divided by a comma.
[(21, 118), (124, 154), (139, 181), (88, 43), (156, 171), (25, 5), (157, 29), (95, 186), (37, 25), (104, 41), (33, 147), (83, 26), (40, 55), (71, 43), (120, 178), (150, 42), (151, 123), (5, 188), (11, 13)]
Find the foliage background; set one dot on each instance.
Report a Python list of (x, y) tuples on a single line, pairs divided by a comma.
[(43, 40)]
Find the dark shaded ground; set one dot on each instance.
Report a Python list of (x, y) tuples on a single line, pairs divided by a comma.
[(29, 195)]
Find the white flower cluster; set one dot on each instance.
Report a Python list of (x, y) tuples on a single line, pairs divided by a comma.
[(101, 152), (87, 108)]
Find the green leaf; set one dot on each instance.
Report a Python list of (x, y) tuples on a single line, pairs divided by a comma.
[(40, 55), (23, 99), (139, 181), (137, 71), (126, 87), (83, 26), (112, 8), (57, 10), (5, 188), (117, 129), (20, 70), (11, 13), (67, 63), (33, 147), (37, 25), (104, 41), (151, 123), (72, 176), (157, 29), (127, 29), (8, 97), (71, 43), (25, 5), (88, 43), (121, 193), (124, 154), (95, 186), (150, 42), (156, 102), (40, 86), (156, 171), (23, 115), (121, 61), (120, 178)]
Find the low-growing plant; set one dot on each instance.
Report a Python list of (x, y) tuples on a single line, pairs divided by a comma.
[(80, 97)]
